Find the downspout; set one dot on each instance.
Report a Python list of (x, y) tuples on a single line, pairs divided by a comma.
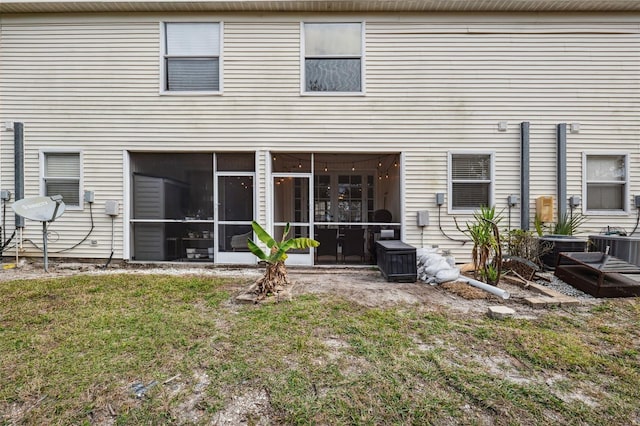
[(18, 170), (524, 175), (18, 144), (561, 169)]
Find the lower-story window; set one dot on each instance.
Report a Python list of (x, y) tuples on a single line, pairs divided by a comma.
[(606, 181), (61, 176), (470, 180)]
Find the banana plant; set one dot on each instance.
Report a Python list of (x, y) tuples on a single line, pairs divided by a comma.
[(277, 250), (275, 278)]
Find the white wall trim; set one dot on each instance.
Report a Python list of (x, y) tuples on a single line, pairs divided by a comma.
[(126, 205)]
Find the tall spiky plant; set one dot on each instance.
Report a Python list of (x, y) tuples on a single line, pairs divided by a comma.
[(486, 252), (275, 278)]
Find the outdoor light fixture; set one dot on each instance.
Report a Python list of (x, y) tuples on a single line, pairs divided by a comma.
[(574, 127), (502, 126)]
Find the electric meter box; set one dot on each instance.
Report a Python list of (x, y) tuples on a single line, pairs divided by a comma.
[(544, 208)]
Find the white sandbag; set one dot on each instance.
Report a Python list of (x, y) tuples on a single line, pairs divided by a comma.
[(433, 259), (434, 268), (446, 275)]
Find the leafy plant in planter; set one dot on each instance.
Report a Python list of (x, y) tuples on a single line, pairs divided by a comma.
[(486, 252), (559, 237), (275, 277), (567, 224)]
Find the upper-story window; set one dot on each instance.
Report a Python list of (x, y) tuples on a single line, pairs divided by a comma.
[(61, 176), (192, 57), (606, 181), (470, 181), (333, 57)]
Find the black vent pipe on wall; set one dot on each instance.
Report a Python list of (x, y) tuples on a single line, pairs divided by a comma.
[(561, 169), (524, 175), (18, 145)]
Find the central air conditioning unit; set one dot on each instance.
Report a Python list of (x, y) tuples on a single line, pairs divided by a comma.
[(622, 247)]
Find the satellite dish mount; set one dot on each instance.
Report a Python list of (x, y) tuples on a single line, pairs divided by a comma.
[(41, 209)]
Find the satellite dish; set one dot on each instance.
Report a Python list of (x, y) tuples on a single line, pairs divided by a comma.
[(42, 209)]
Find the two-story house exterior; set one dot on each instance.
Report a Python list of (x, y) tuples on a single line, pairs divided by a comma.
[(169, 126)]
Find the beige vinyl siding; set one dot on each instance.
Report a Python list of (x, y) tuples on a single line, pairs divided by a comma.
[(435, 83)]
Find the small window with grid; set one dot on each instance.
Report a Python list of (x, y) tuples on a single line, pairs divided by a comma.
[(470, 181), (62, 176)]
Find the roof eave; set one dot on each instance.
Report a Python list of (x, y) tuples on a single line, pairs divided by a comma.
[(65, 6)]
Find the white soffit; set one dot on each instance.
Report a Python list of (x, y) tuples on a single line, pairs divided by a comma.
[(39, 6)]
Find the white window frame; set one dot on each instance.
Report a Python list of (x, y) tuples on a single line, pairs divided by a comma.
[(43, 186), (303, 77), (163, 54), (491, 181), (625, 201)]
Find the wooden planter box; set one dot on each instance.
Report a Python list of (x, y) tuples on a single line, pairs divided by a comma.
[(397, 261)]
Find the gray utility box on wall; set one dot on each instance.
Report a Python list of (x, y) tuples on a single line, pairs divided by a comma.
[(397, 261)]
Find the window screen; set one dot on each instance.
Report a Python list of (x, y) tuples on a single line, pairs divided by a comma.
[(62, 176), (470, 181), (333, 57), (192, 56)]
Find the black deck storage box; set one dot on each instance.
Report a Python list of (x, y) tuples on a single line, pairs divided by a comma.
[(397, 261)]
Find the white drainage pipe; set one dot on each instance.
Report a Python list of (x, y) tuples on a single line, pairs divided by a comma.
[(486, 287)]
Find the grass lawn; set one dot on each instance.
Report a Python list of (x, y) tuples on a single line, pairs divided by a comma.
[(73, 349)]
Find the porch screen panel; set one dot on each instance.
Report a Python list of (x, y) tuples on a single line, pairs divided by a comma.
[(235, 198), (291, 200)]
